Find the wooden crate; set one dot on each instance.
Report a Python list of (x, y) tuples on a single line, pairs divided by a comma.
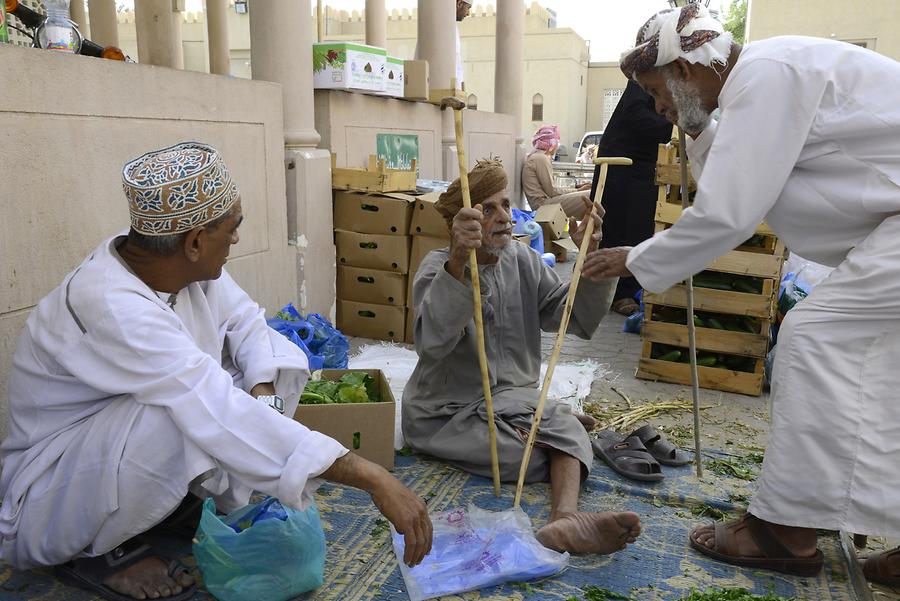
[(375, 178), (760, 257)]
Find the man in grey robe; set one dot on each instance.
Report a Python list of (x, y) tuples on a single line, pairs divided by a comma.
[(443, 404)]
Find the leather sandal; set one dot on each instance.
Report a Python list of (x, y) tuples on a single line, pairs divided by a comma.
[(89, 573), (775, 557), (626, 456), (625, 306), (662, 450), (877, 568)]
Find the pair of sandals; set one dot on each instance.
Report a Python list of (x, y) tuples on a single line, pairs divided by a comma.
[(638, 456)]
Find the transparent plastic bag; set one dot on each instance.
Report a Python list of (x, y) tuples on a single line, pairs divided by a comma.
[(260, 551), (475, 549)]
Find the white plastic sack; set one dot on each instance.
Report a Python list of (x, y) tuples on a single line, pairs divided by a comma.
[(571, 381), (475, 549)]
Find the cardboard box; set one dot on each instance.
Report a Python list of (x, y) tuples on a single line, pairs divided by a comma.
[(415, 80), (410, 318), (563, 248), (348, 66), (389, 213), (375, 251), (426, 221), (367, 429), (371, 320), (421, 246), (553, 221), (371, 286), (393, 78)]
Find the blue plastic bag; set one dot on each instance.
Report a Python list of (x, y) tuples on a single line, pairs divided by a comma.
[(474, 549), (325, 346), (328, 342), (271, 558), (523, 219)]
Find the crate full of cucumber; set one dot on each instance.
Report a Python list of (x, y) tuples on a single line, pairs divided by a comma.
[(734, 307)]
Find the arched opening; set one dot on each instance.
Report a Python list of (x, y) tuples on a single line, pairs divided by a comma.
[(472, 102), (537, 108)]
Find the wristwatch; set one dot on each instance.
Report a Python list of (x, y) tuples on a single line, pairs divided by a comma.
[(272, 400)]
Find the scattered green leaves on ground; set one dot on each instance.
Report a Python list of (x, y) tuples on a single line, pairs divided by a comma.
[(381, 526), (702, 510), (595, 593), (733, 594), (353, 387), (743, 468)]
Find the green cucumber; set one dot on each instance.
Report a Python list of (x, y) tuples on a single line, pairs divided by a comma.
[(671, 356), (714, 323)]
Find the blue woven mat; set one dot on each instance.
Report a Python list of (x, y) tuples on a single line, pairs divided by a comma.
[(660, 566)]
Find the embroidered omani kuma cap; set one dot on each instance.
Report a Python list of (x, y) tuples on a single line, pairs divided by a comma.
[(176, 189)]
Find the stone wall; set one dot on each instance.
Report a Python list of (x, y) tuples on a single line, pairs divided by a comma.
[(69, 123)]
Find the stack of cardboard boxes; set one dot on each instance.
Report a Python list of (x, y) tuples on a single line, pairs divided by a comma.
[(373, 245), (381, 240), (360, 68), (429, 232)]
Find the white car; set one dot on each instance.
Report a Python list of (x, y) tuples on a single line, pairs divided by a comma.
[(591, 138)]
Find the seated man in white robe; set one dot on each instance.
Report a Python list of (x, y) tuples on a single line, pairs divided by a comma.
[(443, 403), (808, 140), (149, 376)]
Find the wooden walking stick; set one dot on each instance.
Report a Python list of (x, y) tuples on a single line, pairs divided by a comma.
[(692, 331), (604, 163), (458, 105)]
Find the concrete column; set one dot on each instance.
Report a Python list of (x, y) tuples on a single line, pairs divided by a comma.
[(76, 13), (217, 32), (437, 45), (437, 41), (158, 30), (509, 77), (376, 23), (281, 36), (104, 25)]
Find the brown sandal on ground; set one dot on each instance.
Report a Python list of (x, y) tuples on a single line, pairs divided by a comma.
[(877, 568), (776, 556), (625, 306)]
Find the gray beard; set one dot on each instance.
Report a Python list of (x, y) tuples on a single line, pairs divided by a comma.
[(495, 251), (692, 117)]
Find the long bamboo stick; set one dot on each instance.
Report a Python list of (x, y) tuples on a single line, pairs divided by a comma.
[(564, 320), (476, 297), (692, 331)]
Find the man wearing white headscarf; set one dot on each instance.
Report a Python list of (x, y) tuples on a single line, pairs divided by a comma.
[(808, 140), (463, 7), (148, 379)]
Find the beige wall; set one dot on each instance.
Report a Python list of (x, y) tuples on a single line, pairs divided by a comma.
[(603, 78), (875, 22), (349, 122), (69, 150)]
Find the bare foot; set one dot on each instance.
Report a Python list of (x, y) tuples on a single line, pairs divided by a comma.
[(587, 421), (800, 541), (149, 579), (581, 533)]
